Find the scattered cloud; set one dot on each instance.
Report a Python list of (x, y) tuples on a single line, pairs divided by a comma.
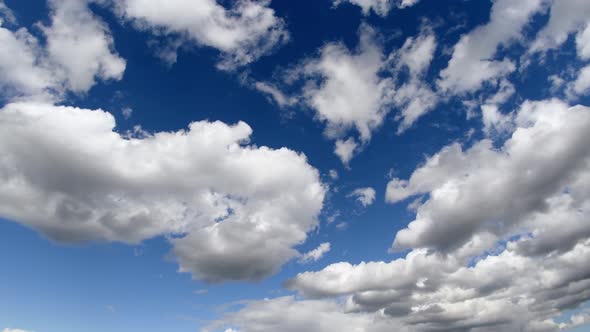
[(475, 53), (380, 7), (365, 196), (242, 33), (315, 254)]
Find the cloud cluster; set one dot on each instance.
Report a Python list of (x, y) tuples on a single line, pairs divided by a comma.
[(499, 243), (242, 33), (354, 90), (228, 203), (488, 189)]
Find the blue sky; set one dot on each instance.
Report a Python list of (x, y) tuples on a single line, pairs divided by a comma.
[(354, 165)]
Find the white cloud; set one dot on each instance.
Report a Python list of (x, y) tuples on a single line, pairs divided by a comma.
[(6, 14), (414, 98), (489, 189), (538, 200), (286, 314), (240, 209), (21, 72), (127, 112), (14, 330), (333, 174), (344, 87), (81, 45), (345, 150), (425, 291), (566, 17), (316, 254), (79, 49), (242, 33), (581, 85), (280, 98), (365, 196), (583, 42), (380, 7), (475, 51), (494, 121)]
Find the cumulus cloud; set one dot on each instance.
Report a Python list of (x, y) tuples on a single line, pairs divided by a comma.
[(316, 254), (499, 244), (346, 149), (428, 292), (489, 189), (79, 49), (380, 7), (476, 51), (242, 33), (81, 45), (344, 87), (365, 196), (21, 70), (235, 210)]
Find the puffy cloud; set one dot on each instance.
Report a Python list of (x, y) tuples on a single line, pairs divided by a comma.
[(79, 49), (243, 33), (566, 17), (581, 84), (21, 71), (237, 210), (365, 196), (345, 150), (356, 89), (380, 7), (289, 315), (316, 254), (414, 97), (475, 51), (500, 244), (489, 189), (81, 45), (428, 292), (344, 87)]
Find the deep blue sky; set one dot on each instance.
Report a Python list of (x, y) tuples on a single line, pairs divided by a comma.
[(54, 287)]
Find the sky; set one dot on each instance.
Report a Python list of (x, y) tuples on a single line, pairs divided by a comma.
[(310, 165)]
